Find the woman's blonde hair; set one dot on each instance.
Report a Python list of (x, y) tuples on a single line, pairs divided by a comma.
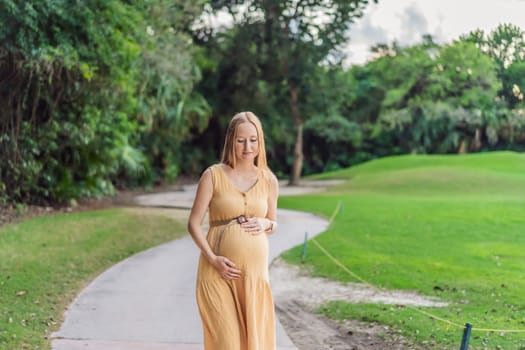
[(228, 151)]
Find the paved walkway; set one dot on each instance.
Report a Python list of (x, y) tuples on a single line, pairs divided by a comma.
[(147, 301)]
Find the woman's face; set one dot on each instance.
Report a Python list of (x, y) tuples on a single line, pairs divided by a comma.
[(246, 143)]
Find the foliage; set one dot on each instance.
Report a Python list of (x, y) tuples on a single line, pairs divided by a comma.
[(442, 101), (231, 82), (506, 46), (283, 43), (509, 131), (426, 98), (86, 88), (108, 94), (169, 110), (329, 142), (60, 128)]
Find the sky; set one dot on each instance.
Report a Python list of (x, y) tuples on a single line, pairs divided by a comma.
[(406, 21)]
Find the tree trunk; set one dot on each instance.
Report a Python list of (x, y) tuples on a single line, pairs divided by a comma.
[(462, 147), (298, 145), (476, 144)]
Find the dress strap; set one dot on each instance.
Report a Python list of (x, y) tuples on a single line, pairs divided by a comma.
[(216, 177)]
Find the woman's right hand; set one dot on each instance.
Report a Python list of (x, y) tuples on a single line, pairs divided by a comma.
[(226, 268)]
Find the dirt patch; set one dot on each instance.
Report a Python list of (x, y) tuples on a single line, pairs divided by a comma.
[(297, 295), (314, 291)]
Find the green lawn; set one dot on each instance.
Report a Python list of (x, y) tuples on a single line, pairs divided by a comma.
[(45, 262), (450, 226)]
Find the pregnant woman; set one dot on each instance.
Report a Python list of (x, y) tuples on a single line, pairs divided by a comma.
[(233, 292)]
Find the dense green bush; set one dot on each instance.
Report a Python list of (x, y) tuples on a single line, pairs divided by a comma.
[(86, 86)]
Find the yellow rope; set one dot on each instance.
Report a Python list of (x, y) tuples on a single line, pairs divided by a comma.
[(375, 288), (362, 280)]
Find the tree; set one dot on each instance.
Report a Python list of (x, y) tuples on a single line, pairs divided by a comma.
[(168, 107), (506, 46), (438, 98), (64, 82), (80, 85), (291, 38)]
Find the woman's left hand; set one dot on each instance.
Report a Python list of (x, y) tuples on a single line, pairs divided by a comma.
[(255, 225)]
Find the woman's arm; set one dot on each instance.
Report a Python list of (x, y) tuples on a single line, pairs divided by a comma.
[(198, 210), (271, 215), (202, 200)]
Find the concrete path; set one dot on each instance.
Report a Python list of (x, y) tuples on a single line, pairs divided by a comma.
[(148, 300)]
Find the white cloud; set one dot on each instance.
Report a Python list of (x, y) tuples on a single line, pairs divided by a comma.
[(406, 21)]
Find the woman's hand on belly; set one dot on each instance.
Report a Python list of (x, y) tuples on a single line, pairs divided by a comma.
[(226, 268), (256, 225)]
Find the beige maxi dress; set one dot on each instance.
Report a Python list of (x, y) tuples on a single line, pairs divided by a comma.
[(236, 314)]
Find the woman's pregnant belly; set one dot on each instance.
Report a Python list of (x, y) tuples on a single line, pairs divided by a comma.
[(248, 252)]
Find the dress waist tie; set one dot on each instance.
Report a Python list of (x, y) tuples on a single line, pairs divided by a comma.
[(239, 219)]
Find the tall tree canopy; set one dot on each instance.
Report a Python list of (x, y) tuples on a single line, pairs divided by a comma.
[(117, 93), (286, 41), (84, 86), (437, 98)]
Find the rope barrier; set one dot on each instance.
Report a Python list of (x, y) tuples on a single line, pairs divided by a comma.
[(377, 289)]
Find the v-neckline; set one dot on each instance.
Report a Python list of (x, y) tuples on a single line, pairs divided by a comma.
[(235, 187)]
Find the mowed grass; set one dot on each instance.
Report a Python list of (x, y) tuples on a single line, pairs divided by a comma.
[(46, 261), (449, 226)]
